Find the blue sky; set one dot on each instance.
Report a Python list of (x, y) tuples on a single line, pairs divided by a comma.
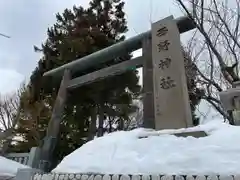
[(26, 21)]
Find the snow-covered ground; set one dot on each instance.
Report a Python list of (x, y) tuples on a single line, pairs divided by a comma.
[(159, 153), (9, 167)]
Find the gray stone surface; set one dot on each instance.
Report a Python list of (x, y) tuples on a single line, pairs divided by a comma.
[(26, 174), (171, 101), (148, 96), (106, 72), (196, 134)]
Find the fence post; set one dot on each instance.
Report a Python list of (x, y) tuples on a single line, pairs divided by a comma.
[(34, 157)]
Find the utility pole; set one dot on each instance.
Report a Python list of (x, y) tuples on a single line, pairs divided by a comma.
[(3, 35)]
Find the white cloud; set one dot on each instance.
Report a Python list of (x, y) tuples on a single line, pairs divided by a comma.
[(10, 81)]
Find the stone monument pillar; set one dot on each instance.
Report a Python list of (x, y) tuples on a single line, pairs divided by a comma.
[(171, 101)]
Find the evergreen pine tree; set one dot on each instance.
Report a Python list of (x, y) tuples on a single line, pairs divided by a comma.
[(77, 33)]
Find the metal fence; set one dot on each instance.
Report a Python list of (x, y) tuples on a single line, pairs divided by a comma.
[(30, 159), (34, 174), (132, 177)]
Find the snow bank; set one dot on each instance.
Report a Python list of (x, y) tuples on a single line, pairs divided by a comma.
[(9, 167), (159, 153)]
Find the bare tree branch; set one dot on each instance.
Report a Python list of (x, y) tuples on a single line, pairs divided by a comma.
[(215, 46), (200, 27), (9, 118)]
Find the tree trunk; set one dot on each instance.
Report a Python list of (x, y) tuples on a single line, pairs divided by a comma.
[(110, 126), (6, 145), (231, 120), (101, 119), (93, 128), (121, 124)]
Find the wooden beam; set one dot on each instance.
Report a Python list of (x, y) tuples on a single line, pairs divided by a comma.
[(106, 72)]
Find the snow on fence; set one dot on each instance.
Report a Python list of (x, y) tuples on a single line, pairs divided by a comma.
[(30, 159), (22, 158), (132, 177)]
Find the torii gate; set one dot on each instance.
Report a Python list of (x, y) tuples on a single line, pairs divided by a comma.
[(166, 103)]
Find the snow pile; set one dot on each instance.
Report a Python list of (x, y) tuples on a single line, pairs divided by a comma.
[(9, 167), (159, 153)]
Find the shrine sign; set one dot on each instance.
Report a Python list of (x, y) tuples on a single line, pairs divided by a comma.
[(171, 101)]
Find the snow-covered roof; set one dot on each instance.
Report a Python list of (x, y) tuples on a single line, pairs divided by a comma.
[(9, 167), (160, 153)]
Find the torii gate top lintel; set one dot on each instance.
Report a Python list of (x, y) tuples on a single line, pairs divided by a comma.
[(107, 54)]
